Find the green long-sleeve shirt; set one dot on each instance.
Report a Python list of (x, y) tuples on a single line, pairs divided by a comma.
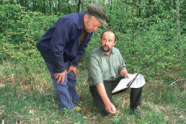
[(102, 67)]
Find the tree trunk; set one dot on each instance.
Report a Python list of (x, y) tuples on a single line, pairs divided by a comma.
[(139, 9), (69, 10), (12, 1), (22, 2), (177, 15), (59, 5), (44, 7), (149, 10), (25, 2), (178, 25), (79, 6), (111, 5), (91, 2), (50, 5), (34, 5), (174, 4)]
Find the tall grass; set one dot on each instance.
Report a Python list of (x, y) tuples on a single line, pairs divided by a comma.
[(24, 101)]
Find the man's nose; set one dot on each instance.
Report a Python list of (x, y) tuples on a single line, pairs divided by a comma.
[(106, 42), (96, 28)]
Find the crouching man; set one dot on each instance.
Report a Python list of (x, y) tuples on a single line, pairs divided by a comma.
[(105, 69)]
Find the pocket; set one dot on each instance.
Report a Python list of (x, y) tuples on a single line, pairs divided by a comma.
[(115, 66), (105, 72)]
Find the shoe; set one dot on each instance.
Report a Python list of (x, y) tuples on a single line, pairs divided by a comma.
[(134, 110)]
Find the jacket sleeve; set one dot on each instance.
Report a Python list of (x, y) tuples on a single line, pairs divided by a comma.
[(63, 30)]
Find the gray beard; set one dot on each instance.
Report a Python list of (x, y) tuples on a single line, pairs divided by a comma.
[(105, 50)]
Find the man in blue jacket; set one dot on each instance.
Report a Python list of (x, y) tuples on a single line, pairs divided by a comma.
[(63, 45)]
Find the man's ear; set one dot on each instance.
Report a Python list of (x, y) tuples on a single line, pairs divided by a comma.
[(85, 17), (114, 43)]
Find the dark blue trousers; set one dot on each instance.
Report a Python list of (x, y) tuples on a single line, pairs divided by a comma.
[(66, 93)]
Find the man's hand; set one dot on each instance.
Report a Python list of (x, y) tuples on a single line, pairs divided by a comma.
[(60, 76), (124, 73), (110, 108), (127, 75), (74, 69)]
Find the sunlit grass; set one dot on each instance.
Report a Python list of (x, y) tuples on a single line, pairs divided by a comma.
[(35, 102)]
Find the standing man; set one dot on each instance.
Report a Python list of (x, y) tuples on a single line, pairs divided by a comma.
[(63, 45), (105, 69)]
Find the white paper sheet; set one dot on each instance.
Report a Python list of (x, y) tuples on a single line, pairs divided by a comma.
[(138, 82)]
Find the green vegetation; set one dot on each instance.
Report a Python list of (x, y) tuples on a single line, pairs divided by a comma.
[(151, 38)]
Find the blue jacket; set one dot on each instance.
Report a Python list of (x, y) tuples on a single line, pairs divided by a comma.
[(61, 43)]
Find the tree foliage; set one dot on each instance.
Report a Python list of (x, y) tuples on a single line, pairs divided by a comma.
[(148, 34)]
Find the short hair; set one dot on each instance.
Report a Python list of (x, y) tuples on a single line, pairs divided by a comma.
[(89, 16), (109, 31)]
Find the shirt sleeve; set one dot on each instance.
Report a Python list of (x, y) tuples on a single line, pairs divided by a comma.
[(64, 27), (122, 64), (94, 71)]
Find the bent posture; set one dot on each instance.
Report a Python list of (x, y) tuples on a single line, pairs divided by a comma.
[(64, 44)]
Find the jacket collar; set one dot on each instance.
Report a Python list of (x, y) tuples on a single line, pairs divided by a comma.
[(81, 17)]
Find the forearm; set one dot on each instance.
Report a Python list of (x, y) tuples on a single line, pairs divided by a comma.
[(109, 107), (102, 92)]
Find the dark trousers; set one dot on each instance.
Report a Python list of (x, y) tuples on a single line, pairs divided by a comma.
[(135, 95), (66, 93)]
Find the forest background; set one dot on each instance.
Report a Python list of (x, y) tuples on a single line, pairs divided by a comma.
[(151, 36)]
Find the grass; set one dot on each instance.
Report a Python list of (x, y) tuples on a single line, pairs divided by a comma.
[(33, 100)]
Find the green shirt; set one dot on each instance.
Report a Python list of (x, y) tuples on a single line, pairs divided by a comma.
[(102, 67)]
